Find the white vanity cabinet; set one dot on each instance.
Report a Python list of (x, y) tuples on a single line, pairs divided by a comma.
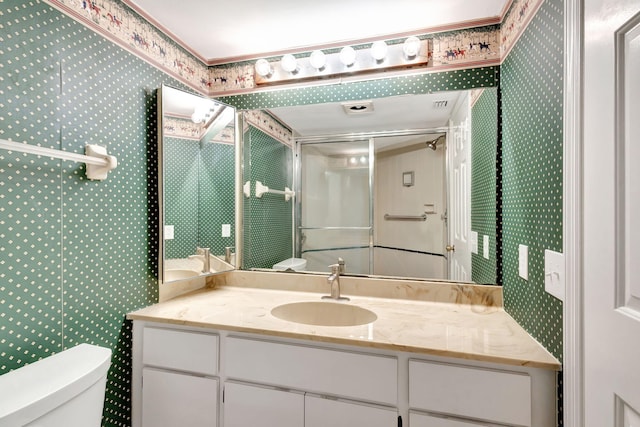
[(251, 405), (322, 411), (175, 379), (452, 395), (197, 376), (173, 399)]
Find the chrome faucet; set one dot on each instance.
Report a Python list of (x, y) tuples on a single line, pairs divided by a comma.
[(206, 259), (227, 254), (334, 281)]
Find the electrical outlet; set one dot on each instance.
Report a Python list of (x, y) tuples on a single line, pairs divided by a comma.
[(168, 232), (523, 261), (473, 242), (485, 246), (554, 274), (226, 230)]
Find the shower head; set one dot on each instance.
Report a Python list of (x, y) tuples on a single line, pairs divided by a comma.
[(434, 144)]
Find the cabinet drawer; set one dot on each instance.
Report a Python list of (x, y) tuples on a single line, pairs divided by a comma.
[(180, 350), (341, 373), (171, 399), (423, 420), (320, 412), (484, 394), (248, 405)]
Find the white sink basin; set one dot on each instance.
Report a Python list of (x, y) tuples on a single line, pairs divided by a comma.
[(324, 313), (179, 274)]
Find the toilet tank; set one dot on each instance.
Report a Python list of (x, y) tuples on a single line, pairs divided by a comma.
[(66, 389)]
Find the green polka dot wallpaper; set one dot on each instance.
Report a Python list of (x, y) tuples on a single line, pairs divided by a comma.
[(199, 195), (403, 85), (484, 137), (216, 196), (268, 223), (181, 172), (75, 255), (532, 97)]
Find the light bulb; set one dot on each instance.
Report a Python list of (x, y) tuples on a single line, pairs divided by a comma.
[(263, 68), (348, 56), (379, 50), (317, 59), (289, 63), (196, 117), (411, 47)]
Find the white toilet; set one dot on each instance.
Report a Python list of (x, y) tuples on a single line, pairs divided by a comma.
[(66, 389), (295, 264)]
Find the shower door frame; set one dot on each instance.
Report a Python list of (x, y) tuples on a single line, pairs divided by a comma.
[(297, 176), (352, 137)]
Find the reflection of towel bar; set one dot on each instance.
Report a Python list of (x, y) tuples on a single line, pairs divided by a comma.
[(422, 217), (262, 189)]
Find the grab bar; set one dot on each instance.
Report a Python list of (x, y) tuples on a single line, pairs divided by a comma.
[(422, 217)]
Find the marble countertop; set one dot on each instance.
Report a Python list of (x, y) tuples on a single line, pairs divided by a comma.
[(449, 329)]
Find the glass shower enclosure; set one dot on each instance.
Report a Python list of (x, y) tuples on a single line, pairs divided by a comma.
[(378, 201), (334, 212)]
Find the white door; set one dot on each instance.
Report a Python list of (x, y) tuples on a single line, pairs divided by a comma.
[(611, 272), (459, 149)]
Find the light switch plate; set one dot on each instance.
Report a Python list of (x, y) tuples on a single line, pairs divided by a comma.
[(554, 274), (485, 246), (168, 232), (523, 261), (226, 230), (473, 242)]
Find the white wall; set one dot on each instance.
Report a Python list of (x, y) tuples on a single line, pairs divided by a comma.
[(393, 198)]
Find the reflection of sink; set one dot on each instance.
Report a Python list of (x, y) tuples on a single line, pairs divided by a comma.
[(324, 313), (179, 274)]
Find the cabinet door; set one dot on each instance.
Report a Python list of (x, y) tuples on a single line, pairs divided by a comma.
[(247, 405), (485, 394), (423, 420), (321, 412), (170, 399)]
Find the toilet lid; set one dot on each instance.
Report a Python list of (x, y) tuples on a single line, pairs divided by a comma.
[(292, 263)]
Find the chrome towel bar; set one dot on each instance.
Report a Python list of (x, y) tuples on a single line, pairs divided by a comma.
[(422, 217)]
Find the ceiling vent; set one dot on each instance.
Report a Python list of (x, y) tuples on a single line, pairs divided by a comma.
[(357, 107), (440, 104)]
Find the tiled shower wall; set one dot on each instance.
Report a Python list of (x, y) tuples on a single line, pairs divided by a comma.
[(75, 255)]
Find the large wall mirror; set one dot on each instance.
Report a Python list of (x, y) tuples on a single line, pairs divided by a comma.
[(197, 185), (401, 186)]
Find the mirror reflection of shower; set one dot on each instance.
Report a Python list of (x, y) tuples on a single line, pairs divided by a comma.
[(378, 202)]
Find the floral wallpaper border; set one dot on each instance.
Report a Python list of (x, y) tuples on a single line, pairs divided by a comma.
[(263, 121), (458, 49)]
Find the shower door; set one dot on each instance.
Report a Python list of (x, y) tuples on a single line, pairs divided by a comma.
[(334, 215)]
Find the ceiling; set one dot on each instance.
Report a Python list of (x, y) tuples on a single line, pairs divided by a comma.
[(247, 29), (394, 113)]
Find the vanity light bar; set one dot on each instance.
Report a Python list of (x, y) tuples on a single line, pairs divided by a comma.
[(380, 57)]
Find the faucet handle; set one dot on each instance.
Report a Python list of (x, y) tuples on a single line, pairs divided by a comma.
[(341, 265), (335, 268)]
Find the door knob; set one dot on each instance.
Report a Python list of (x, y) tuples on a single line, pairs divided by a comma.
[(451, 248)]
